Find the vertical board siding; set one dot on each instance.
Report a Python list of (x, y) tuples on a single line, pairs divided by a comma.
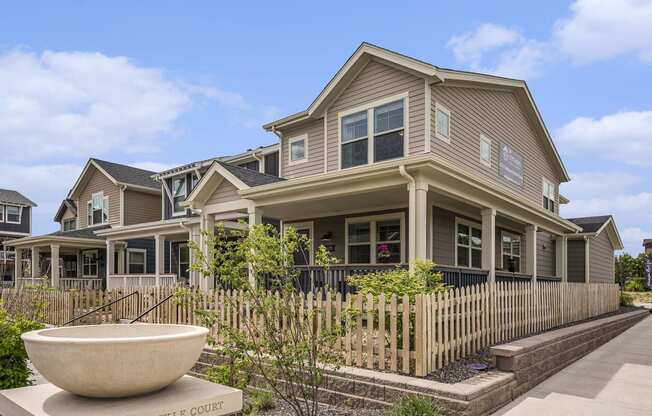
[(141, 207), (315, 163), (377, 81), (576, 252), (601, 259), (224, 193), (436, 329), (97, 182), (546, 255), (498, 115)]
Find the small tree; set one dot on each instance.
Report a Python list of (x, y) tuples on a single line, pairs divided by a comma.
[(280, 343), (14, 371)]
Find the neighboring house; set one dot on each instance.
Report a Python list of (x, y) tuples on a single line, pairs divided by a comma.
[(395, 160), (105, 195), (647, 244), (15, 222), (591, 252)]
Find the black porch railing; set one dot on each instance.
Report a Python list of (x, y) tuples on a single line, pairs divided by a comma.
[(460, 276)]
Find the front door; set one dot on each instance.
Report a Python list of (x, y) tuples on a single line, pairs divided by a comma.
[(184, 263)]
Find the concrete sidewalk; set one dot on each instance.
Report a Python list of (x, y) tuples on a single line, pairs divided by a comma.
[(615, 379)]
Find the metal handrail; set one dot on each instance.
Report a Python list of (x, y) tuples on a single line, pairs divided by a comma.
[(101, 307), (151, 309)]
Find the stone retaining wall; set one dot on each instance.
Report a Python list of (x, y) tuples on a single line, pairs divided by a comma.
[(536, 358)]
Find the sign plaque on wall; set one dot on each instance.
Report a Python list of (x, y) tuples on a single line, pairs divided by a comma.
[(511, 164)]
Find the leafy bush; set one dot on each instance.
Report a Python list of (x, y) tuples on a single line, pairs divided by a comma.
[(260, 401), (230, 374), (414, 406), (626, 299), (635, 285), (14, 371)]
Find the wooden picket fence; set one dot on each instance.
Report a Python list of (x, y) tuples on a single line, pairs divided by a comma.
[(388, 333)]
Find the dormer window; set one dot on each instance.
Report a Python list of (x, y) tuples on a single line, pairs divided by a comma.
[(178, 195), (98, 209), (69, 224)]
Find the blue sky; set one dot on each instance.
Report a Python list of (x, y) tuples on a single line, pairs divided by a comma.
[(154, 84)]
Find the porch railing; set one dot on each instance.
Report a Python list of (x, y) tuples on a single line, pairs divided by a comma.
[(26, 281), (7, 256), (140, 280), (503, 276), (68, 283), (460, 276)]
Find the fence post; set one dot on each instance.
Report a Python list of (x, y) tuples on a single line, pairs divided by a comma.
[(419, 338)]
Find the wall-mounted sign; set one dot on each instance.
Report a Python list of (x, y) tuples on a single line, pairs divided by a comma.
[(648, 272), (511, 164)]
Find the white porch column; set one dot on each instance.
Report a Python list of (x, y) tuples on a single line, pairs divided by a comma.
[(489, 243), (587, 272), (159, 257), (195, 236), (121, 259), (207, 224), (110, 259), (418, 222), (255, 217), (561, 253), (18, 265), (36, 269), (54, 265), (531, 251)]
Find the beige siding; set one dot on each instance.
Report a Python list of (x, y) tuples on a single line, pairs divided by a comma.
[(444, 237), (576, 250), (377, 81), (315, 163), (601, 259), (97, 182), (141, 207), (224, 193), (498, 115), (546, 257)]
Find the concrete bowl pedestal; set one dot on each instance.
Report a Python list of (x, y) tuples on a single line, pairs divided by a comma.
[(114, 361)]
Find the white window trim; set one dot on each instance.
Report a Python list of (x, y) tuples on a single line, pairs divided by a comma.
[(63, 223), (520, 256), (185, 194), (136, 250), (439, 107), (89, 213), (486, 140), (2, 213), (544, 182), (295, 139), (97, 263), (20, 213), (370, 127), (307, 225), (372, 220), (470, 224)]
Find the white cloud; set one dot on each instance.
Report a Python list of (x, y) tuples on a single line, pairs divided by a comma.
[(603, 29), (624, 137), (470, 46)]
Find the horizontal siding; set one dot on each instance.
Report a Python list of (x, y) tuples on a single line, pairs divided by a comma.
[(141, 207), (576, 250), (601, 259), (498, 115), (97, 182), (315, 163), (377, 81), (224, 193), (23, 227)]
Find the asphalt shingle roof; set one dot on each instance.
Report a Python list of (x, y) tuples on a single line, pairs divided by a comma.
[(250, 177), (9, 196), (590, 224), (83, 233), (128, 174)]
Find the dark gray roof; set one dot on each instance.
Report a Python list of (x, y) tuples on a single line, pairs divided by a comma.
[(250, 177), (647, 241), (66, 203), (9, 196), (83, 233), (128, 174), (590, 224)]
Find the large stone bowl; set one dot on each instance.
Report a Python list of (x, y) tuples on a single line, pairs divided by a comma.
[(112, 361)]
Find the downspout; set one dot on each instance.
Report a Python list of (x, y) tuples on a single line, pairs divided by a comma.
[(261, 161), (122, 204), (280, 150), (412, 220)]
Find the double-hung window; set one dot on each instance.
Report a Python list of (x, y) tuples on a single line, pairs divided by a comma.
[(468, 244), (297, 150), (98, 209), (136, 261), (442, 123), (178, 195), (69, 224), (376, 133), (548, 195), (12, 213), (511, 250), (89, 263), (485, 150), (375, 240)]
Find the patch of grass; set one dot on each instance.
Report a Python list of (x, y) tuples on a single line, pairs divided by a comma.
[(259, 401), (414, 406), (626, 299)]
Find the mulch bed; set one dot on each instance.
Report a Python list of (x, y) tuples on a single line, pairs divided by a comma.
[(283, 409)]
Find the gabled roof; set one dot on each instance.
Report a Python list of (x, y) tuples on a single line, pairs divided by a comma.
[(65, 204), (647, 241), (367, 52), (250, 177), (82, 233), (120, 175), (9, 196), (597, 224)]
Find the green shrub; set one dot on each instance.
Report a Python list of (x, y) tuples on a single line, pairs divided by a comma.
[(260, 401), (14, 371), (635, 285), (414, 406), (231, 374), (626, 299)]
